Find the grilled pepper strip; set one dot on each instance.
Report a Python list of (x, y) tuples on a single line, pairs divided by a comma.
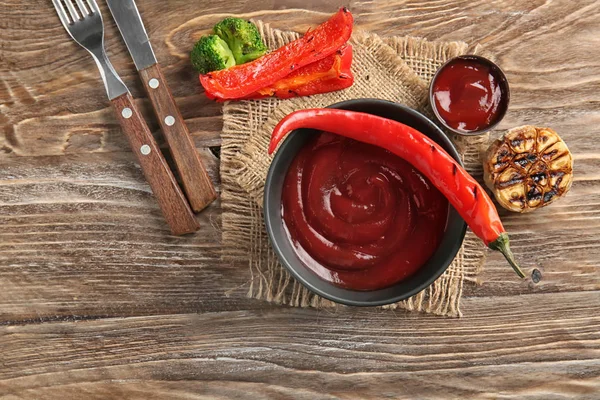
[(461, 190), (326, 75), (242, 80)]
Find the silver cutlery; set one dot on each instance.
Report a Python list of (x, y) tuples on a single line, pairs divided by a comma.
[(83, 22)]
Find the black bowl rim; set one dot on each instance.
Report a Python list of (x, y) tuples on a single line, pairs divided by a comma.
[(350, 302), (503, 80)]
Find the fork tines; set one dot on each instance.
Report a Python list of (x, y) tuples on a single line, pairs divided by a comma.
[(69, 14)]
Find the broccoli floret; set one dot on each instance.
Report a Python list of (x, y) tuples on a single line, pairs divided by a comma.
[(211, 53), (242, 37)]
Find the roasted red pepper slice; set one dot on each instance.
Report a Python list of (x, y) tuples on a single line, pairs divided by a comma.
[(462, 191), (245, 79), (326, 75)]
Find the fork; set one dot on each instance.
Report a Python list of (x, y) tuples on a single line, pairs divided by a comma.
[(84, 24)]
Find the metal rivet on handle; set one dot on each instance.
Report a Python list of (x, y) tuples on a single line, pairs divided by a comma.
[(153, 83), (126, 112), (169, 120), (145, 149)]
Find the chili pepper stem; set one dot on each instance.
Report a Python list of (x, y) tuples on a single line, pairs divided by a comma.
[(502, 245)]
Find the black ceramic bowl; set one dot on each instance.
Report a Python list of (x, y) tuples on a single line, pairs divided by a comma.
[(433, 268)]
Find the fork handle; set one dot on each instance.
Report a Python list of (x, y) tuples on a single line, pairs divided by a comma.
[(171, 200), (196, 182)]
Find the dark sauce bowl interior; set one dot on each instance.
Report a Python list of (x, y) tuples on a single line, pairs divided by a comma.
[(502, 82), (429, 272)]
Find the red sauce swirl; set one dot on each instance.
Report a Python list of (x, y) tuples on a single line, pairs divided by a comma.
[(359, 216)]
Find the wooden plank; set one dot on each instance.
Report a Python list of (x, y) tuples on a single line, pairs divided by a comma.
[(526, 347), (42, 115), (83, 237)]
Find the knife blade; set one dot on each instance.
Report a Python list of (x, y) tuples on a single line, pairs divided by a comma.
[(132, 29), (196, 182)]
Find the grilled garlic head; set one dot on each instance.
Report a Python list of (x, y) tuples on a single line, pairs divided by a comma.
[(528, 168)]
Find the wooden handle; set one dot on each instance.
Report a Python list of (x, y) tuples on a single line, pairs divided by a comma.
[(170, 198), (196, 182)]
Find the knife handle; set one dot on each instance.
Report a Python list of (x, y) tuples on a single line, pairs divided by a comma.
[(172, 202), (196, 182)]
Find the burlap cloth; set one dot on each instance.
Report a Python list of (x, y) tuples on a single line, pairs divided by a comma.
[(397, 69)]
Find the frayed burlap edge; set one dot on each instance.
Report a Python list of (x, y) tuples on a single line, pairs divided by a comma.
[(244, 237)]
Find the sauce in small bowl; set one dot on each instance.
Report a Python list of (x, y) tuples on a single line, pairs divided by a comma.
[(469, 95)]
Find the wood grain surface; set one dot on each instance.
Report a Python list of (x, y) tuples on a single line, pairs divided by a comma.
[(98, 301)]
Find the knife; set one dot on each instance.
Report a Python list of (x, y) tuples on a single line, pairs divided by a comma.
[(198, 188)]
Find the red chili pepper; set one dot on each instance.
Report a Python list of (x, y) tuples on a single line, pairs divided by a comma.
[(462, 191), (326, 75), (242, 80)]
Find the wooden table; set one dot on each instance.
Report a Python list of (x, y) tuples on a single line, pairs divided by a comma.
[(97, 301)]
